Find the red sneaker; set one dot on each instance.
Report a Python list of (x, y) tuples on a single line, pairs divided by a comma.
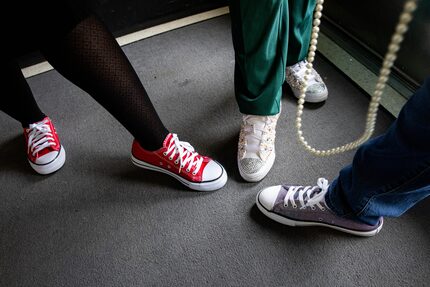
[(44, 151), (178, 159)]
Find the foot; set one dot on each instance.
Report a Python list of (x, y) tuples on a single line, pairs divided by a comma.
[(305, 206), (179, 160), (316, 91), (44, 151), (256, 148)]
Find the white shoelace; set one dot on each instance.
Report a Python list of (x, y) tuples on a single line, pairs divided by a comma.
[(39, 137), (308, 196), (264, 134), (187, 157)]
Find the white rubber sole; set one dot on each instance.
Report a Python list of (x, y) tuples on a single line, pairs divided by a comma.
[(52, 166), (290, 222), (255, 177), (202, 186), (318, 99)]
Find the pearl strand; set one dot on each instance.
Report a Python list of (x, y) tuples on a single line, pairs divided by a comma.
[(385, 71)]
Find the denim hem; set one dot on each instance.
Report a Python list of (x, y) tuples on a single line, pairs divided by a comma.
[(362, 212)]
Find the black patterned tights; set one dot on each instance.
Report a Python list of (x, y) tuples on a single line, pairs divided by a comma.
[(90, 57)]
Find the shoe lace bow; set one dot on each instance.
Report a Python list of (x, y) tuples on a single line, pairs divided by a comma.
[(307, 196)]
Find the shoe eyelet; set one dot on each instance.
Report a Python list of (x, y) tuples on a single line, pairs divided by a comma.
[(176, 162), (194, 173), (323, 209), (170, 158), (188, 170), (294, 206), (164, 153), (313, 207)]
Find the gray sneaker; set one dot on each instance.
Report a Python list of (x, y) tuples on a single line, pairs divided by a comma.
[(316, 91), (305, 206)]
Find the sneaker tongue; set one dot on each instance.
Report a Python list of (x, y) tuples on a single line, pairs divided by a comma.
[(167, 140), (315, 192), (306, 198), (253, 143), (255, 119), (258, 124), (31, 126)]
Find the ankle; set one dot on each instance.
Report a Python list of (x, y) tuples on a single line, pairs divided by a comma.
[(152, 144), (32, 120)]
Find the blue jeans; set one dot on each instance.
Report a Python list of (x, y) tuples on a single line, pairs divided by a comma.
[(390, 173)]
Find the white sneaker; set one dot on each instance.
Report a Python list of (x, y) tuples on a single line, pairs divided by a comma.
[(256, 148), (316, 91)]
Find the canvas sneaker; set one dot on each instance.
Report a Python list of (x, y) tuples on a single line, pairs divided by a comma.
[(316, 91), (256, 147), (179, 160), (44, 151), (306, 206)]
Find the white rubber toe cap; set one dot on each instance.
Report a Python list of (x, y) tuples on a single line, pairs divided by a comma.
[(47, 158), (49, 163), (212, 171), (267, 196)]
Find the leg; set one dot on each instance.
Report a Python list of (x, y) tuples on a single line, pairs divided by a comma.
[(300, 20), (20, 104), (301, 15), (260, 38), (90, 57), (390, 173), (44, 151)]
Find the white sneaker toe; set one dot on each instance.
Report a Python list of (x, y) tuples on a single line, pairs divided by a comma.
[(251, 165), (267, 197), (212, 171)]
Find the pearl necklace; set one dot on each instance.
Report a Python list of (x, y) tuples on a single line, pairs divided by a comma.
[(385, 71)]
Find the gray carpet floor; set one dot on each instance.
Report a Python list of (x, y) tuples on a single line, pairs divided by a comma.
[(100, 221)]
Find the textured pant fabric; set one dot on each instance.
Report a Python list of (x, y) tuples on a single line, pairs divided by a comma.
[(267, 37), (86, 53), (390, 173), (18, 102), (91, 58)]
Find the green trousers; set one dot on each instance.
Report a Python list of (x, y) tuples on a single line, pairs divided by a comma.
[(268, 35)]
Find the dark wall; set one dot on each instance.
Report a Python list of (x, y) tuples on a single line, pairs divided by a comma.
[(123, 16), (373, 22), (126, 16)]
